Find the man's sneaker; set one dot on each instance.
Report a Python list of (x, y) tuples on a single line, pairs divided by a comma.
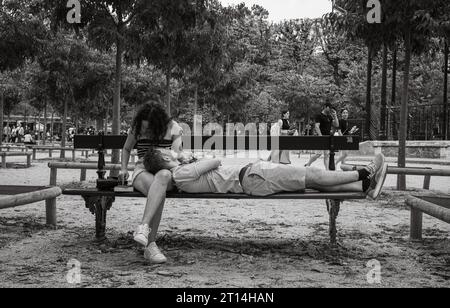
[(375, 165), (154, 255), (377, 182), (141, 235)]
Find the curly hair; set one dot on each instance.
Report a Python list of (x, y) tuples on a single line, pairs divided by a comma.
[(154, 161), (157, 117)]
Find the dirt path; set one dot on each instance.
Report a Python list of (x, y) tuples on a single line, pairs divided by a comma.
[(225, 243)]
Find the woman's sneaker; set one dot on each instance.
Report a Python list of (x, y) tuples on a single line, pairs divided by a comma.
[(154, 255), (141, 234)]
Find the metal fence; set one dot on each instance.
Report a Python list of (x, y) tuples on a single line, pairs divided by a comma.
[(425, 122)]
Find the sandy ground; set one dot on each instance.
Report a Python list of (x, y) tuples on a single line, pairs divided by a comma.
[(223, 243)]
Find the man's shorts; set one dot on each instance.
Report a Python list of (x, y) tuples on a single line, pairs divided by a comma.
[(266, 178)]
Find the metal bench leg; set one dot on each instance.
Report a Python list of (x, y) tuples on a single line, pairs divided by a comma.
[(99, 206), (333, 207)]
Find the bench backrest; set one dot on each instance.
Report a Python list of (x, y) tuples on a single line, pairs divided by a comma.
[(332, 143), (217, 142)]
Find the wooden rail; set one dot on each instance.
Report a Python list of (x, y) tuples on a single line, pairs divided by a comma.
[(47, 194)]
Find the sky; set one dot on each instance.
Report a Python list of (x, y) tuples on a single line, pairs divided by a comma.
[(288, 9)]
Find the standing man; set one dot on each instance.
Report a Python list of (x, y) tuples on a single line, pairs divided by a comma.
[(325, 122), (6, 133)]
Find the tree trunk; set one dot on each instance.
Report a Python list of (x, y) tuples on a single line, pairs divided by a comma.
[(403, 131), (115, 158), (394, 90), (383, 132), (195, 99), (100, 123), (168, 76), (446, 126), (64, 125), (106, 120), (1, 116), (369, 129), (39, 126), (52, 126), (45, 123)]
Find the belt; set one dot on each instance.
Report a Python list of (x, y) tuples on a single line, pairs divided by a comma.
[(243, 171)]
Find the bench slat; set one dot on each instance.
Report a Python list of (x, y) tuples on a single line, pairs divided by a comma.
[(308, 194)]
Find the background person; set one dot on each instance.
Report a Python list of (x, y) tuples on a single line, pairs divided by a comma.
[(281, 128), (344, 130), (325, 122)]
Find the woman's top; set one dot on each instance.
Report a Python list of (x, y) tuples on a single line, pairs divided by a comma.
[(144, 144), (343, 126), (286, 125)]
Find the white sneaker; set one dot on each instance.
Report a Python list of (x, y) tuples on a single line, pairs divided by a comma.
[(377, 182), (154, 255), (141, 235), (375, 165)]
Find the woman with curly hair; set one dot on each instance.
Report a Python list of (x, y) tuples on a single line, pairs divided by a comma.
[(151, 128)]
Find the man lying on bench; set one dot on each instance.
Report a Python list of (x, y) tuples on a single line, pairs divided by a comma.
[(261, 178), (264, 178)]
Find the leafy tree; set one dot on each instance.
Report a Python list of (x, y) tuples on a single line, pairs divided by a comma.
[(20, 38)]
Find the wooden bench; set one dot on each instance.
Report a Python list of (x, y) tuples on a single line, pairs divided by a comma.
[(15, 154), (8, 148), (50, 150), (99, 202), (13, 196), (438, 207)]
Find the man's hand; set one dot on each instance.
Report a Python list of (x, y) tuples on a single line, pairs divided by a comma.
[(187, 158)]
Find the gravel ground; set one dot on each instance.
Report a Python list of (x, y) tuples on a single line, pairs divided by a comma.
[(223, 243)]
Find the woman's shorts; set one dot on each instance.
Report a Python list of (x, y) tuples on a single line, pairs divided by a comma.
[(138, 170)]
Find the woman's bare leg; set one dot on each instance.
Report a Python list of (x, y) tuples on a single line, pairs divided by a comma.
[(313, 159), (155, 188)]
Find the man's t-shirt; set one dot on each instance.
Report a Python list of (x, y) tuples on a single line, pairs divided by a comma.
[(221, 180), (28, 138), (325, 122)]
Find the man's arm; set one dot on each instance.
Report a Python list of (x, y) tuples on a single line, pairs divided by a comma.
[(205, 166), (317, 129), (193, 171)]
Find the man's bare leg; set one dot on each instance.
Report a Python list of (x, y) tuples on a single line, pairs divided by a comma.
[(351, 187), (317, 177)]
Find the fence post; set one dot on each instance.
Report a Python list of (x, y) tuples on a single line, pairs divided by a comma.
[(426, 182), (83, 175), (50, 204), (416, 224)]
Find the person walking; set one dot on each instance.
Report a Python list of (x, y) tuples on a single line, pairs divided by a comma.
[(281, 128)]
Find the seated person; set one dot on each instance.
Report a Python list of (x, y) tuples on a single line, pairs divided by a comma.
[(264, 178), (28, 139)]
